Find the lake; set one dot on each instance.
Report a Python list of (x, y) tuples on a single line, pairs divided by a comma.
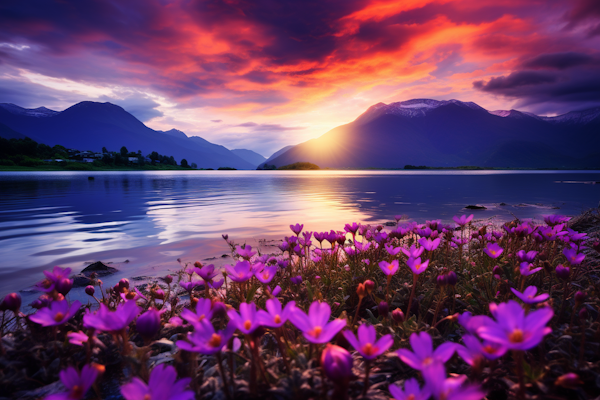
[(143, 221)]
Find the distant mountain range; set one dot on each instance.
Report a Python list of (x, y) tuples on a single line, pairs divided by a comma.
[(91, 126), (453, 133)]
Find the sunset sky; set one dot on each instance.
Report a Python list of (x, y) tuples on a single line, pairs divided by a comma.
[(262, 74)]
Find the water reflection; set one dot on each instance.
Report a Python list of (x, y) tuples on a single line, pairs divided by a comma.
[(153, 217)]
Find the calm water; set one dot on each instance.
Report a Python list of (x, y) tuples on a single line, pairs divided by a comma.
[(153, 218)]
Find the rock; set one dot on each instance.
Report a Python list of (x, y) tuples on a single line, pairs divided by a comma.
[(473, 207), (502, 204), (225, 256), (80, 280), (390, 223), (99, 268)]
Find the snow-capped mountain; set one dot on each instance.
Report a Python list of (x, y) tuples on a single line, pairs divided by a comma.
[(411, 108), (31, 112)]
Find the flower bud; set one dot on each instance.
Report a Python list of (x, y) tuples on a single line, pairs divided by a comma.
[(580, 296), (583, 314), (198, 264), (563, 272), (225, 236), (498, 270), (168, 279), (89, 290), (12, 302), (568, 381), (219, 309), (148, 324), (451, 278), (398, 315), (64, 285), (159, 293), (383, 309), (337, 364), (547, 266), (369, 286), (124, 283), (442, 280), (543, 256), (360, 290)]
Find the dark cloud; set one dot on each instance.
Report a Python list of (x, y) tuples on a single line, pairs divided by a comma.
[(216, 120), (559, 60), (260, 77), (139, 105), (585, 14), (556, 91)]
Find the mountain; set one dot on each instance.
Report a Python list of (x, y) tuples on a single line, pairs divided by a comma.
[(453, 133), (8, 133), (278, 153), (251, 156), (91, 126)]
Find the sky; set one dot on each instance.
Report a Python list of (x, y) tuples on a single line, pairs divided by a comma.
[(263, 74)]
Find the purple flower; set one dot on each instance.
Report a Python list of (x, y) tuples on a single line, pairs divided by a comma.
[(77, 383), (563, 272), (189, 286), (444, 388), (553, 220), (462, 220), (526, 256), (296, 280), (283, 246), (112, 322), (245, 252), (241, 272), (267, 274), (352, 228), (471, 323), (204, 311), (52, 278), (275, 316), (413, 252), (297, 228), (148, 324), (367, 344), (283, 263), (205, 340), (207, 272), (389, 268), (57, 313), (246, 321), (392, 251), (276, 291), (337, 363), (315, 325), (513, 329), (216, 284), (12, 302), (162, 385), (473, 352), (412, 391), (573, 257), (416, 265), (493, 250), (429, 244), (529, 297), (423, 355), (320, 236), (527, 269)]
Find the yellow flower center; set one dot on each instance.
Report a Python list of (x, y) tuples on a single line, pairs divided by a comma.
[(130, 295), (493, 252), (516, 336), (59, 316), (77, 392), (369, 349), (316, 332), (277, 319), (411, 397), (215, 340), (427, 361), (147, 396), (390, 267), (418, 266), (200, 318), (489, 349), (266, 275), (247, 324)]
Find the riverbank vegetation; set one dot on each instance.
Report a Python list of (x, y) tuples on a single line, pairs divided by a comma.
[(432, 310)]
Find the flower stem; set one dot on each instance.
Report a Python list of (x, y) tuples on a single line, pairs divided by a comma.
[(412, 294), (223, 376), (518, 356), (367, 371), (357, 310)]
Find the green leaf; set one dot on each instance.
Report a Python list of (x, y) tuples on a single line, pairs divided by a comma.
[(251, 293), (310, 291)]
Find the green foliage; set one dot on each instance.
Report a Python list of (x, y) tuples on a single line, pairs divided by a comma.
[(226, 169), (184, 163), (300, 166)]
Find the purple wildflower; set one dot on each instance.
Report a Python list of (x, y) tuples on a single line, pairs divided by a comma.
[(423, 355), (392, 251), (148, 324), (189, 286), (352, 228), (207, 272), (552, 220), (77, 383), (296, 280), (205, 340), (429, 244), (57, 313), (413, 252), (52, 278), (275, 316), (297, 228), (204, 310), (526, 256), (493, 250), (462, 220), (267, 274), (389, 268), (216, 284), (513, 329), (563, 272), (241, 272), (529, 297), (315, 325), (367, 344), (112, 322), (162, 385), (473, 351), (337, 363), (245, 252), (527, 269), (471, 323), (444, 388), (246, 321), (573, 257), (412, 391), (416, 266)]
